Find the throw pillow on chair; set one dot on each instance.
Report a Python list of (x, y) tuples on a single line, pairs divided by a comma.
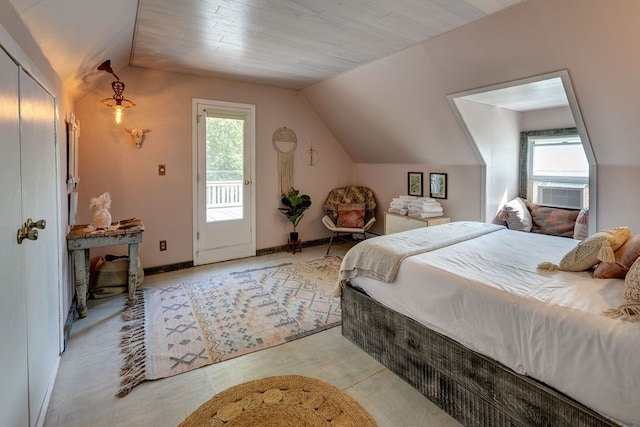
[(351, 215)]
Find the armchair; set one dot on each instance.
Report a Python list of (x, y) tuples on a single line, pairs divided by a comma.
[(349, 210)]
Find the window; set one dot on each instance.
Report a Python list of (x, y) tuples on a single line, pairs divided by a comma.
[(225, 139), (556, 170)]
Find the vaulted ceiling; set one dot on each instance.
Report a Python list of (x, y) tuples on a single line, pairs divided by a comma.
[(285, 43)]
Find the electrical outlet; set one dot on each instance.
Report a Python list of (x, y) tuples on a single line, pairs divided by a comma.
[(162, 170), (163, 245)]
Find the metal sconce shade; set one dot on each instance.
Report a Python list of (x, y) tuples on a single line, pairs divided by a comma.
[(118, 102)]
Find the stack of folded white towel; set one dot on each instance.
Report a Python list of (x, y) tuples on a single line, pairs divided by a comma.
[(425, 207), (400, 205), (419, 207)]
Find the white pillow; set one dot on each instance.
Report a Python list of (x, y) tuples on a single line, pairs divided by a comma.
[(581, 229), (517, 215)]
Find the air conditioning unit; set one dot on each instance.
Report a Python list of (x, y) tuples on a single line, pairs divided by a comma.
[(569, 196)]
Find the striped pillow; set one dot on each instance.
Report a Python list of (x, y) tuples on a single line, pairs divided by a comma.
[(553, 221)]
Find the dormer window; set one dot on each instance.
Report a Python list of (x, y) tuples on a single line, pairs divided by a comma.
[(556, 169)]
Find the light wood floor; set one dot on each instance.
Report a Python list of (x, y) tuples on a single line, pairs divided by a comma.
[(88, 377)]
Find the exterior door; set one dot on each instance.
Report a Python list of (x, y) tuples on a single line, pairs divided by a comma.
[(41, 256), (224, 192)]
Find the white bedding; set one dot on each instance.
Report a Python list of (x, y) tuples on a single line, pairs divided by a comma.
[(487, 294)]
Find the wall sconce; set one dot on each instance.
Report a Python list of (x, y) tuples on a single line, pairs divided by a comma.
[(118, 102)]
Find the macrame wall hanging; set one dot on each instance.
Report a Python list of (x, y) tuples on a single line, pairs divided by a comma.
[(284, 142)]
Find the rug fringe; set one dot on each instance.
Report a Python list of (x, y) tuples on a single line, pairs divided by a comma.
[(132, 334), (136, 311), (132, 343)]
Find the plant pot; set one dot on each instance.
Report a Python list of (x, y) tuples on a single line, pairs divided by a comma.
[(293, 236)]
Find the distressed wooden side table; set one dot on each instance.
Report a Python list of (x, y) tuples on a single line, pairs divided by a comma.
[(82, 238)]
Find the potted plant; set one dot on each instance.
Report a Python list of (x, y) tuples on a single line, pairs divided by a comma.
[(294, 207)]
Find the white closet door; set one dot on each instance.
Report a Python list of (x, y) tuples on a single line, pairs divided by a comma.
[(14, 393), (41, 256)]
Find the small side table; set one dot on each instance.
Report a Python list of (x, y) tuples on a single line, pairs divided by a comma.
[(294, 247), (82, 238)]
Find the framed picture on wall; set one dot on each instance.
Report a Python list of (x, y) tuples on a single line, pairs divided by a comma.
[(414, 180), (438, 185)]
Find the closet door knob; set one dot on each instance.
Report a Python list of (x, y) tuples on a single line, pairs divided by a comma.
[(25, 233), (29, 230), (41, 224)]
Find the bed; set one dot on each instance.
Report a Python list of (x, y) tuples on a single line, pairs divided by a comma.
[(476, 327)]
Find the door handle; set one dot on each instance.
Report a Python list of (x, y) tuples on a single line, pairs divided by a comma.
[(24, 233), (247, 181), (41, 224), (29, 230)]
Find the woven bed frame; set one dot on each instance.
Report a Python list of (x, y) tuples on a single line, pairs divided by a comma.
[(475, 390)]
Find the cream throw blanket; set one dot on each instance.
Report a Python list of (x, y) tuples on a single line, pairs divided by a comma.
[(380, 257)]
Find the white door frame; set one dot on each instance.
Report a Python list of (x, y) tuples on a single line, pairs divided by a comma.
[(225, 253)]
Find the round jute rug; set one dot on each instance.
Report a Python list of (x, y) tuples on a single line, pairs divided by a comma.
[(284, 401)]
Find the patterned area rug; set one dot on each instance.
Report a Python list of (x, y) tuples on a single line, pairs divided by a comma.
[(179, 328)]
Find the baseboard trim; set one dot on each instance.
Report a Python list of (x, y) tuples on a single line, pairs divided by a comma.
[(71, 317), (166, 268), (283, 248), (259, 252)]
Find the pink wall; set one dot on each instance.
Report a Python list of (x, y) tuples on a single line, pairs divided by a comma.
[(395, 110), (390, 180), (109, 161)]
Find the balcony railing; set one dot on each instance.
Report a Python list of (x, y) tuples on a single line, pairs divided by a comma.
[(224, 194)]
